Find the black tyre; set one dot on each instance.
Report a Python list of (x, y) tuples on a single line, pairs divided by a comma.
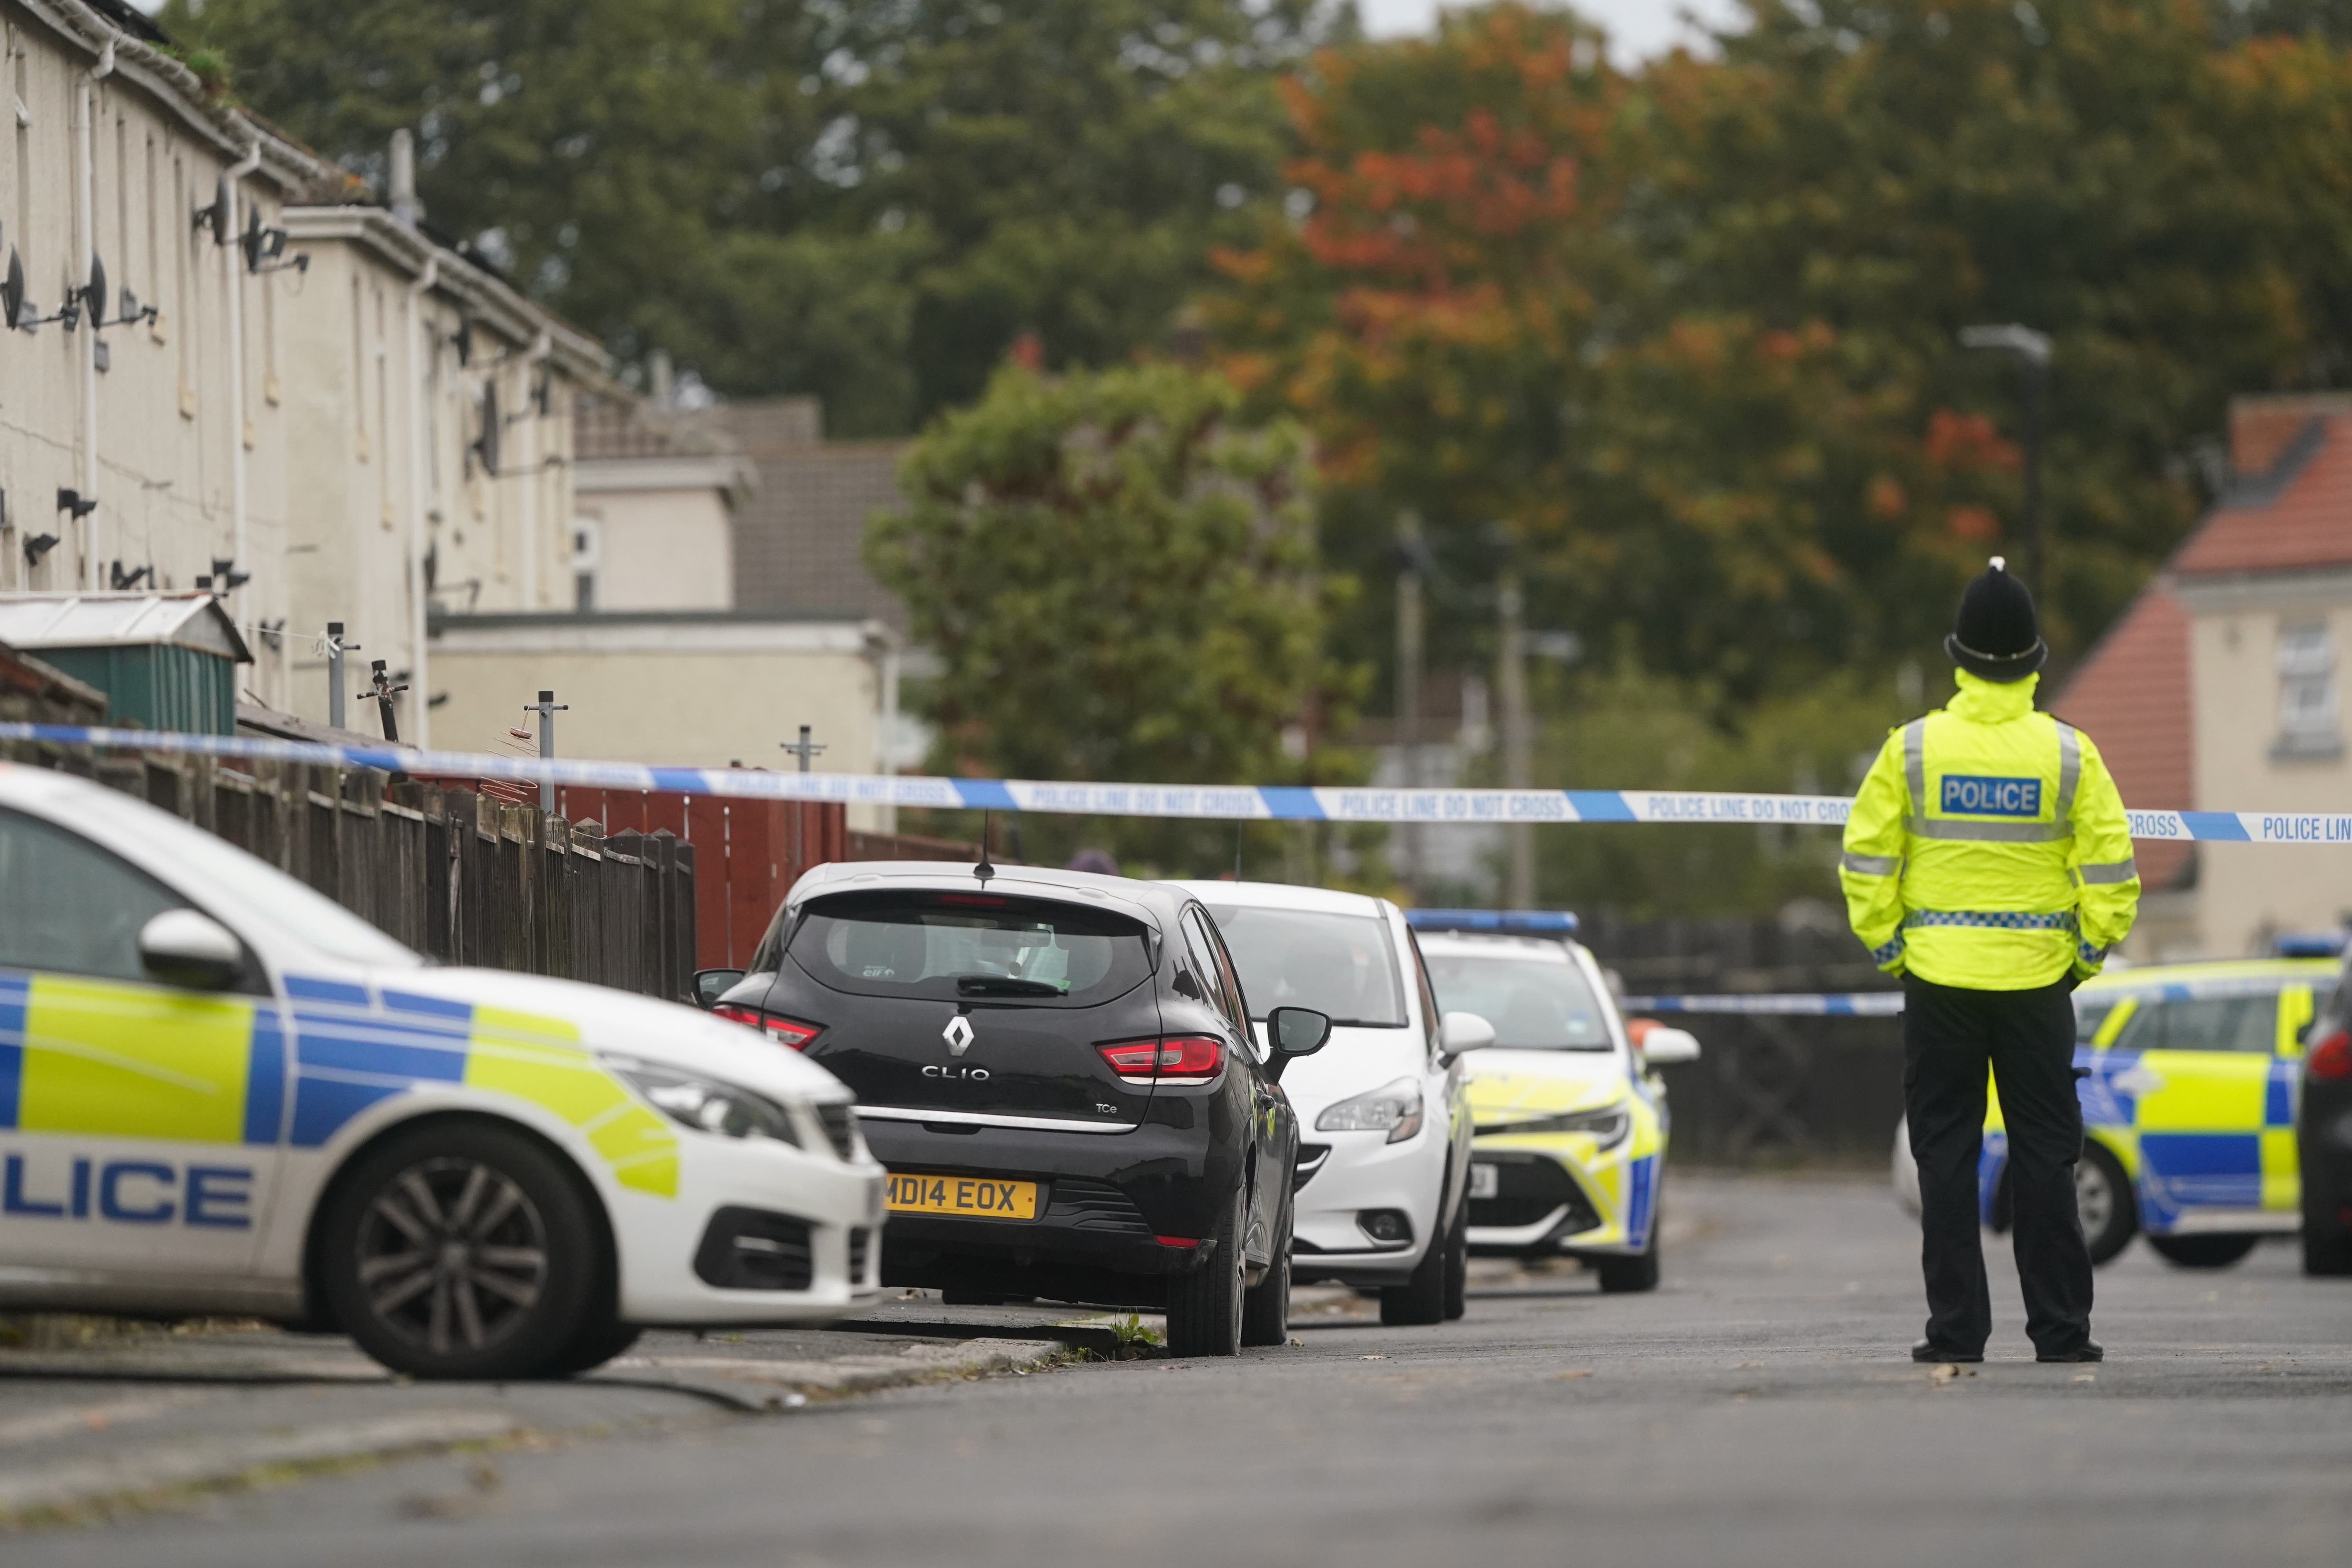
[(1205, 1307), (1420, 1301), (465, 1250), (1265, 1308), (593, 1350), (2202, 1251), (1457, 1263), (2326, 1253), (1637, 1272), (2104, 1196)]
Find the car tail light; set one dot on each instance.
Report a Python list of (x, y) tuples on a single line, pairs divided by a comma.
[(2332, 1057), (775, 1025), (1177, 1240), (1177, 1059)]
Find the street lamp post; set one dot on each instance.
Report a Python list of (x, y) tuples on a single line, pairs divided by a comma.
[(2033, 351)]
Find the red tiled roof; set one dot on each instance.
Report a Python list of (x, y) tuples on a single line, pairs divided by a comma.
[(2131, 697), (2298, 513)]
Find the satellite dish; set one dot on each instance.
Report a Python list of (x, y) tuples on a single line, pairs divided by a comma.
[(464, 340), (219, 216), (12, 292), (252, 240), (485, 446), (93, 295)]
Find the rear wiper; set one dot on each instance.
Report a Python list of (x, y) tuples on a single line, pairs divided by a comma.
[(1003, 985)]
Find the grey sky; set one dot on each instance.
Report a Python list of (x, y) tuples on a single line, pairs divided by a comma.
[(1637, 28)]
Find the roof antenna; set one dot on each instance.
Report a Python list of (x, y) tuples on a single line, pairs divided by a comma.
[(983, 871)]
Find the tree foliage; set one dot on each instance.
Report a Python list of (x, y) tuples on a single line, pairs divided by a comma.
[(1118, 573), (1683, 345), (864, 199)]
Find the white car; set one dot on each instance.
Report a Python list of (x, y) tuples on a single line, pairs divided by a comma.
[(222, 1093), (1384, 1126)]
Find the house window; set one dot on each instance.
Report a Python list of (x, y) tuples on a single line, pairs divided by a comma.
[(587, 551), (2308, 726)]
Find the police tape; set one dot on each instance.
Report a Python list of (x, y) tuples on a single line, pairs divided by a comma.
[(1814, 1004), (1242, 803)]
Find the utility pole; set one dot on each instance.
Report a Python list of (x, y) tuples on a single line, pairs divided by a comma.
[(1413, 554), (336, 648), (381, 688), (1519, 752), (804, 749), (2033, 351), (547, 708)]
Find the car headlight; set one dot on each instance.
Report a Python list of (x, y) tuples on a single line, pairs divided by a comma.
[(1609, 1126), (707, 1105), (1394, 1109)]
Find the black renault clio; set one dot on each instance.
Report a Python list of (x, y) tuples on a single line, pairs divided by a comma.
[(1059, 1070)]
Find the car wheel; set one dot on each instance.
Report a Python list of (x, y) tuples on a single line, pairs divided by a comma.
[(592, 1350), (1637, 1272), (1420, 1301), (2202, 1251), (2326, 1253), (465, 1250), (1265, 1308), (2104, 1196), (1457, 1263), (1205, 1307)]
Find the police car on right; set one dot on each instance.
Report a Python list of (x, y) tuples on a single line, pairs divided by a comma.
[(2189, 1076)]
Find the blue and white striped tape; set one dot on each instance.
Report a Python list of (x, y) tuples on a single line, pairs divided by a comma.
[(1247, 803), (1812, 1005)]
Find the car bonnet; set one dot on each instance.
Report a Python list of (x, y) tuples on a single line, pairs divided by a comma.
[(1543, 1082)]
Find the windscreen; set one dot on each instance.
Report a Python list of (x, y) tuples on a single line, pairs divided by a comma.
[(968, 946), (1343, 965), (1535, 1006)]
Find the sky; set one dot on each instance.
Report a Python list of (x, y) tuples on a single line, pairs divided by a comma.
[(1637, 28)]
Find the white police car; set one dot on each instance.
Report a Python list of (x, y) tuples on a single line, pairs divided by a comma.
[(222, 1093)]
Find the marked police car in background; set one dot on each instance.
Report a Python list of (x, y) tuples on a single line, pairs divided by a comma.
[(1384, 1107), (1571, 1121), (222, 1093), (2189, 1087)]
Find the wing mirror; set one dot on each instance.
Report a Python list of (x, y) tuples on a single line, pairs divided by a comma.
[(1662, 1044), (1458, 1033), (194, 951), (1298, 1031), (710, 984)]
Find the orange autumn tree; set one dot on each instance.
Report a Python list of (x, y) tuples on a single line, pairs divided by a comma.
[(1473, 303)]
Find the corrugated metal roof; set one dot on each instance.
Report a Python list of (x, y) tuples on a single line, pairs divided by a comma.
[(193, 619)]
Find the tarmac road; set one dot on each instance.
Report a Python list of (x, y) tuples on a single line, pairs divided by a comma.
[(1760, 1408)]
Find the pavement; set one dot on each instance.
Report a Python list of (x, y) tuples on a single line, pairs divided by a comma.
[(1760, 1408)]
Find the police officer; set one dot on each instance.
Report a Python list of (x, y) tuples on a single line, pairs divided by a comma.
[(1989, 863)]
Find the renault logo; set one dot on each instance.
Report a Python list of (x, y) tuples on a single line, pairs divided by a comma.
[(957, 1034)]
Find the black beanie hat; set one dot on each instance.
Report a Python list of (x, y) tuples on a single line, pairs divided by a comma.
[(1996, 635)]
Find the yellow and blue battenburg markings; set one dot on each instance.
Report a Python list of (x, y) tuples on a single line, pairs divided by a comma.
[(109, 1059), (353, 1048)]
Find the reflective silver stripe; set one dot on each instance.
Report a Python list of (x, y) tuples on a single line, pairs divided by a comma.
[(1870, 864), (2122, 871), (1991, 832), (1914, 762), (2069, 770), (983, 1119)]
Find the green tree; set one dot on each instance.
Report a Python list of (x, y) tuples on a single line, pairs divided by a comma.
[(1118, 573), (869, 200)]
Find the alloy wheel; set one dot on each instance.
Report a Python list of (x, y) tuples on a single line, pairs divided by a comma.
[(453, 1255), (2094, 1197)]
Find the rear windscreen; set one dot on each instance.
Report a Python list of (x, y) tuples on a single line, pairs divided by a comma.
[(962, 947)]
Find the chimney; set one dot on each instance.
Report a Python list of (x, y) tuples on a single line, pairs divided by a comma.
[(2261, 428), (664, 384), (404, 201)]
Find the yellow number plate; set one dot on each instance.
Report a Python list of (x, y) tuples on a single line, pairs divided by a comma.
[(975, 1197)]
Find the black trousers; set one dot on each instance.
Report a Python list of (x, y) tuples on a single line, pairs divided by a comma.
[(1950, 1036)]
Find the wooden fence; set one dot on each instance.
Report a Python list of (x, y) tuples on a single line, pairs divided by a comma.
[(453, 873)]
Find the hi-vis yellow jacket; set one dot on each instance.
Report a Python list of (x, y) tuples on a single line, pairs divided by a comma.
[(1989, 848)]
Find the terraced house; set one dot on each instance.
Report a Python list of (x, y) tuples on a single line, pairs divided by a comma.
[(231, 366)]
